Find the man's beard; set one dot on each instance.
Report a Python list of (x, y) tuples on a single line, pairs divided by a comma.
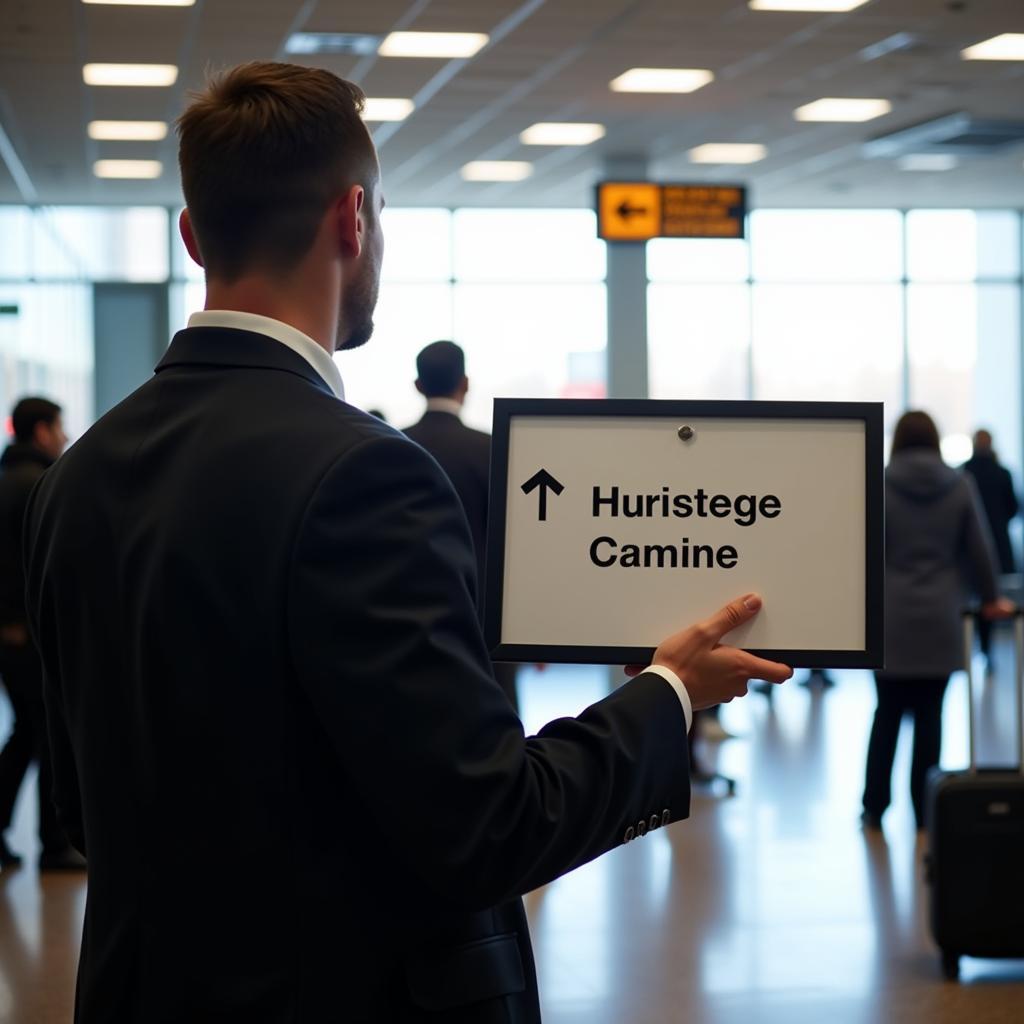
[(355, 324)]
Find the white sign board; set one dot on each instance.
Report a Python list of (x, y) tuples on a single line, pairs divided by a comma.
[(616, 523)]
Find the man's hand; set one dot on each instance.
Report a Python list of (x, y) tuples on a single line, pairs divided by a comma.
[(711, 673), (1000, 608)]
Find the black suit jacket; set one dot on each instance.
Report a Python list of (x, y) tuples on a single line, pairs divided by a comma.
[(276, 735), (465, 456)]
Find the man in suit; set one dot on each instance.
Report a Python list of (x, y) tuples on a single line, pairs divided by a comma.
[(275, 730), (463, 453), (39, 439), (998, 498)]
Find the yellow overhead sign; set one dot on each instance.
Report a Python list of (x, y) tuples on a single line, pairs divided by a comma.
[(634, 211)]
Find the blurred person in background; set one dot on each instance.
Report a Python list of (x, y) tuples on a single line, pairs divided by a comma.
[(998, 498), (463, 453), (934, 526), (39, 440)]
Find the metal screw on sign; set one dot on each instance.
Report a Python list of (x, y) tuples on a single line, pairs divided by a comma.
[(685, 433)]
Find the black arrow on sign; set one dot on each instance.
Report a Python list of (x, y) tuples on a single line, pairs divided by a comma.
[(545, 481), (625, 211)]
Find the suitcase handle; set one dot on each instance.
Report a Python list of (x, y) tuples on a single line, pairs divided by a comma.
[(969, 615)]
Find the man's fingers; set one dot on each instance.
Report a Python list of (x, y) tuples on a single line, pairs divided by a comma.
[(734, 614), (769, 671)]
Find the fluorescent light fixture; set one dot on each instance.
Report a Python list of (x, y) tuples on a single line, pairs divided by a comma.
[(128, 131), (927, 162), (661, 80), (130, 74), (433, 44), (819, 6), (380, 109), (128, 168), (562, 133), (1008, 46), (832, 108), (497, 170), (333, 42), (728, 153), (142, 3)]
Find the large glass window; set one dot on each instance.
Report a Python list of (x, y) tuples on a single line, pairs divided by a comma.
[(828, 343), (698, 340), (826, 245)]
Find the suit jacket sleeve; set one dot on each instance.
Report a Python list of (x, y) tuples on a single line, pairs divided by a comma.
[(385, 641)]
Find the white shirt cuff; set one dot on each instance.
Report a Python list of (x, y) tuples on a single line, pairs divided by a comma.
[(677, 684)]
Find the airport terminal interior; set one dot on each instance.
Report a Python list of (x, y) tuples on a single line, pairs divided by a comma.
[(879, 257)]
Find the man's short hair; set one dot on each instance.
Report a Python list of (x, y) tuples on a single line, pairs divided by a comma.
[(440, 368), (30, 412), (263, 151)]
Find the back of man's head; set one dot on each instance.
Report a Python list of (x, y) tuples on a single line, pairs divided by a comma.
[(29, 413), (441, 369), (263, 151), (982, 442)]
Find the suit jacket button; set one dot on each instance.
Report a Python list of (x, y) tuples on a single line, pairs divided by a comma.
[(655, 822), (665, 816), (628, 837), (641, 828)]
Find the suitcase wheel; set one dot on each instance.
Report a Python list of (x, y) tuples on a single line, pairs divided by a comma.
[(950, 965)]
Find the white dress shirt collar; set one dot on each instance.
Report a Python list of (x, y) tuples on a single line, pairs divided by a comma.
[(445, 405), (290, 337)]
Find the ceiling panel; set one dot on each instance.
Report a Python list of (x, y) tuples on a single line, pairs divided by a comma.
[(553, 61)]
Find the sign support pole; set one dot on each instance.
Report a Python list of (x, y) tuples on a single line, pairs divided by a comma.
[(627, 299)]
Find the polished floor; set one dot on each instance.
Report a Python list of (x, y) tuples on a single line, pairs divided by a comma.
[(770, 907)]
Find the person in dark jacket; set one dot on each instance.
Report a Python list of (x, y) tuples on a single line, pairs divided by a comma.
[(39, 439), (463, 453), (934, 526), (998, 498)]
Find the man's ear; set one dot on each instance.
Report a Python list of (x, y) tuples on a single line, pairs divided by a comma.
[(419, 388), (188, 236), (350, 219)]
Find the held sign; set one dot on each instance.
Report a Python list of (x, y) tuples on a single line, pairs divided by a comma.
[(616, 523), (635, 211)]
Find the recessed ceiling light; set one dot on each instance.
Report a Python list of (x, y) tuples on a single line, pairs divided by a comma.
[(130, 74), (128, 131), (433, 44), (332, 42), (562, 133), (497, 170), (142, 3), (819, 6), (927, 162), (728, 153), (1008, 46), (661, 80), (834, 109), (381, 109), (128, 168)]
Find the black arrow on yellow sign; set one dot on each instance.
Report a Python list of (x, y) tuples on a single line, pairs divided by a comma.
[(625, 211), (545, 481)]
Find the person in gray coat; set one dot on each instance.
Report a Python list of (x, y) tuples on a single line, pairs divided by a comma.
[(934, 530)]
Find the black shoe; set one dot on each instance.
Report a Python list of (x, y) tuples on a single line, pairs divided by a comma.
[(871, 822), (8, 858), (68, 859)]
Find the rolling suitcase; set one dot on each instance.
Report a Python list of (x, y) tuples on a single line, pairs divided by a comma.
[(975, 863)]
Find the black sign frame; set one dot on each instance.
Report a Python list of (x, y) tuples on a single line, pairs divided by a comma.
[(870, 413)]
